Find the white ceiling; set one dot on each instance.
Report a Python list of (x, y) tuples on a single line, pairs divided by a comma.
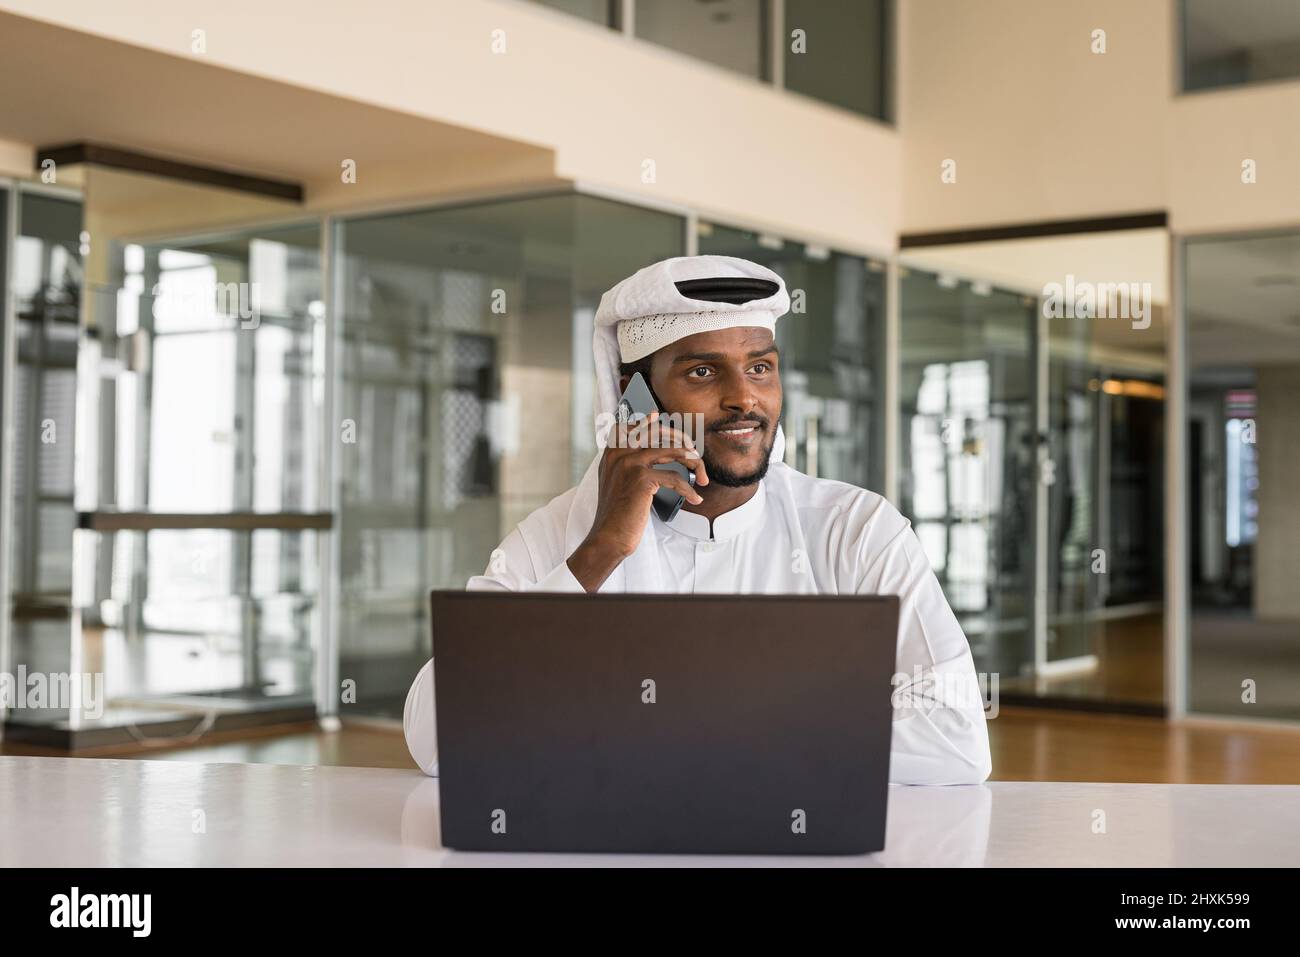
[(1243, 301), (55, 91), (1028, 265)]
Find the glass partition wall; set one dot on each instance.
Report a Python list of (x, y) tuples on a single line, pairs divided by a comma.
[(838, 51), (1243, 455), (966, 387), (201, 513), (466, 399), (1226, 45), (8, 227), (204, 535), (45, 272), (1032, 455), (169, 498), (252, 491)]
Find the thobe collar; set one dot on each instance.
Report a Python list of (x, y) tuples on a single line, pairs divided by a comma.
[(725, 526)]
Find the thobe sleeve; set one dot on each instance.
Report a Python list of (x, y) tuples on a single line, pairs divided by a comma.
[(940, 733), (511, 568)]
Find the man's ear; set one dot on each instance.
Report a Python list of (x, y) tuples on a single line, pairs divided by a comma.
[(622, 383)]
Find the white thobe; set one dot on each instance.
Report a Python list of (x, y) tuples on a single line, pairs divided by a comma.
[(796, 534)]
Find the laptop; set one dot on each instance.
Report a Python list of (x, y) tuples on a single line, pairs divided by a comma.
[(684, 724)]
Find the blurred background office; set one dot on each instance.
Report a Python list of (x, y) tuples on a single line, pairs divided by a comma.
[(285, 345)]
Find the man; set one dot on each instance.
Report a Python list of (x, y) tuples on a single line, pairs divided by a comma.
[(701, 330)]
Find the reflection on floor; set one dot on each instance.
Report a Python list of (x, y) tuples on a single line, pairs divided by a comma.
[(1130, 665), (354, 746), (1029, 744)]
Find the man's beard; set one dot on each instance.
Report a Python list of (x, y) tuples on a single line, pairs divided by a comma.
[(724, 476)]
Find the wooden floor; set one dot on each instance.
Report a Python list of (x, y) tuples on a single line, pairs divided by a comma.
[(1129, 669), (1029, 744)]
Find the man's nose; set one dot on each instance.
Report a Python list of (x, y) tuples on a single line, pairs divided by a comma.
[(739, 394)]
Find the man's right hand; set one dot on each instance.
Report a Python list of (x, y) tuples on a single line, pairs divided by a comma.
[(628, 482)]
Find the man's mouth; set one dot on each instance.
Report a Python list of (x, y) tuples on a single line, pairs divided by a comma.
[(740, 432)]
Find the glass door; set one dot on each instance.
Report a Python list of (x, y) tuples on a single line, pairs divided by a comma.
[(200, 520), (1243, 455), (1032, 459), (41, 365), (966, 461), (466, 384), (1104, 563)]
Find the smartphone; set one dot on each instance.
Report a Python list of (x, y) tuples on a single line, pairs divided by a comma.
[(636, 403)]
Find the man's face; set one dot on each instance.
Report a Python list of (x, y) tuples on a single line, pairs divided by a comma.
[(730, 378)]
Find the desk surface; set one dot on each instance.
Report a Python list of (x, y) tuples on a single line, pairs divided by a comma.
[(87, 812)]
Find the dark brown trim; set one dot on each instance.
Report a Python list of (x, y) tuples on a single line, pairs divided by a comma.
[(114, 735), (1048, 227), (27, 608), (230, 521), (70, 154)]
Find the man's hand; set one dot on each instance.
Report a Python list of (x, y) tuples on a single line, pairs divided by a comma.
[(628, 482)]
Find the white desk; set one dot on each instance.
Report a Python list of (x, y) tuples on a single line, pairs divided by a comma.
[(86, 812)]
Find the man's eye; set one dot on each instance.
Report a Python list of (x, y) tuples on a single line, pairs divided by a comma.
[(704, 369), (761, 367)]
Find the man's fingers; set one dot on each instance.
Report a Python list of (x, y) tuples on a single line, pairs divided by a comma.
[(656, 456), (686, 457), (671, 435), (678, 484), (653, 432), (649, 435), (653, 441)]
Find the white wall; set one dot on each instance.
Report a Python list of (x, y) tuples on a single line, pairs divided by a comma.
[(1210, 135), (16, 159), (1040, 127), (1043, 128)]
